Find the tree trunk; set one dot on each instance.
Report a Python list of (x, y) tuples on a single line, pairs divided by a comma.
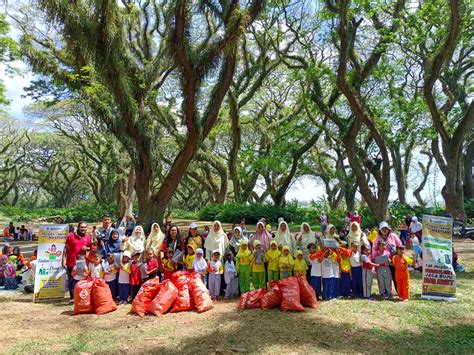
[(426, 172), (234, 151), (468, 160), (399, 174), (126, 194)]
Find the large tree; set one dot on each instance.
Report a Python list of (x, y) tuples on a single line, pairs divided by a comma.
[(118, 57)]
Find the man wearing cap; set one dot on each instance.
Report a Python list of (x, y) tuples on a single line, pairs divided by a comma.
[(391, 240)]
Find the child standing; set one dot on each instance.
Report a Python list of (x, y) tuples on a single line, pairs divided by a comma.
[(356, 270), (345, 266), (327, 272), (80, 270), (271, 257), (316, 270), (200, 264), (402, 276), (286, 263), (124, 277), (152, 265), (96, 271), (169, 266), (188, 260), (243, 259), (215, 272), (230, 277), (135, 274), (110, 273), (9, 273), (336, 271), (367, 266), (384, 277), (300, 267), (258, 267)]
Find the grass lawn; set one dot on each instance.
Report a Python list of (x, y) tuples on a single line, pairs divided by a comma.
[(336, 326)]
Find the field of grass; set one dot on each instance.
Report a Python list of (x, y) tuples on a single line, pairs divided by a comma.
[(336, 326)]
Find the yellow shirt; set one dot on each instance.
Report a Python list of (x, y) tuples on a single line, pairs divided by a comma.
[(300, 267), (286, 263), (243, 258), (257, 267), (188, 261), (272, 257), (372, 235), (345, 264)]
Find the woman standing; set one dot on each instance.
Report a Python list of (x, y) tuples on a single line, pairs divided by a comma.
[(305, 236), (194, 239), (236, 240), (283, 237), (217, 239), (155, 240), (356, 235), (391, 243), (136, 242), (264, 236)]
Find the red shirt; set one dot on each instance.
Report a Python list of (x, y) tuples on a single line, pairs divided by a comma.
[(74, 244), (152, 264), (355, 219), (135, 274)]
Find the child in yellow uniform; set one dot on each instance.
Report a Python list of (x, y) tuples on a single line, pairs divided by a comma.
[(258, 266), (271, 257), (300, 267), (243, 260), (286, 263), (188, 261), (345, 267)]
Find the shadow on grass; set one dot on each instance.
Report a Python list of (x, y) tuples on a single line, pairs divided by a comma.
[(269, 331)]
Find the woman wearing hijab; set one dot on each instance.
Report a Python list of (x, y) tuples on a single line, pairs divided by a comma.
[(112, 245), (261, 234), (237, 238), (217, 239), (155, 240), (303, 238), (136, 242), (416, 228), (284, 237), (356, 235)]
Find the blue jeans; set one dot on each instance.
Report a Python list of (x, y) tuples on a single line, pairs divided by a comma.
[(328, 292), (124, 292), (356, 281), (345, 284)]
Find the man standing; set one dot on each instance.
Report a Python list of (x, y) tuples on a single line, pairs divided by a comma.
[(103, 234), (76, 243)]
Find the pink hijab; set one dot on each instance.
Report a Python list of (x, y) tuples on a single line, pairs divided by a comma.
[(263, 236)]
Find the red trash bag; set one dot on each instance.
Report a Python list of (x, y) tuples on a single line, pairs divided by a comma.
[(102, 297), (164, 299), (83, 297), (307, 295), (145, 295), (290, 295), (201, 296), (183, 301), (252, 299), (272, 298)]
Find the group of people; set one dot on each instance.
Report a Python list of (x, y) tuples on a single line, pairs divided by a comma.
[(14, 269), (336, 265), (11, 233)]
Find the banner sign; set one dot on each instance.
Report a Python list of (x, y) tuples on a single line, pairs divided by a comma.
[(50, 277), (439, 278)]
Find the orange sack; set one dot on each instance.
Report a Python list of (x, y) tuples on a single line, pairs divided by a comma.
[(102, 297), (200, 295), (145, 295), (83, 297), (290, 295), (164, 299), (272, 298), (183, 301), (252, 299), (307, 294)]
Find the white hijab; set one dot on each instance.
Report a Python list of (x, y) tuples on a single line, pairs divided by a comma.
[(415, 226), (354, 236), (306, 238), (285, 238), (216, 240), (155, 239), (136, 243)]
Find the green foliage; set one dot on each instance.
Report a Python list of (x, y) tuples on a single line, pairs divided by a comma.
[(86, 212)]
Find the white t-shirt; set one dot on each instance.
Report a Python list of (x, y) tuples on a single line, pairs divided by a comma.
[(217, 265), (124, 277), (316, 268), (335, 269), (355, 259), (108, 275), (327, 270)]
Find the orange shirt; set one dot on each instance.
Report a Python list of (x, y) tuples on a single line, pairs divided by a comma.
[(401, 263), (32, 258)]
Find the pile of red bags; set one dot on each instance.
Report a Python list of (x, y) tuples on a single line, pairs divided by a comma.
[(93, 296), (184, 292), (291, 294)]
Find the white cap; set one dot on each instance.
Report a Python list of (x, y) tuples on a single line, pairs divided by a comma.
[(127, 253), (383, 225), (216, 251), (199, 251), (193, 225)]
